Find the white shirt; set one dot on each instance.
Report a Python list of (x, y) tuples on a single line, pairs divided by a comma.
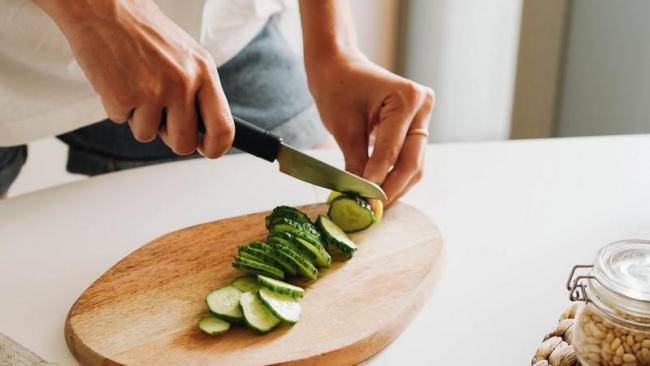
[(43, 92)]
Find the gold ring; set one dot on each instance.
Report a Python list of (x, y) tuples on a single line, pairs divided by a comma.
[(418, 131)]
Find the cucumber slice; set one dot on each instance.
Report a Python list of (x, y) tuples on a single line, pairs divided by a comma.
[(256, 315), (291, 241), (284, 307), (213, 325), (246, 284), (289, 213), (351, 213), (252, 253), (305, 267), (334, 236), (294, 227), (323, 258), (224, 303), (249, 265), (281, 287), (310, 242), (377, 206), (252, 256), (288, 266), (333, 195)]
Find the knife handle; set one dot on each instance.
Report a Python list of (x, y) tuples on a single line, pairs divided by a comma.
[(253, 140)]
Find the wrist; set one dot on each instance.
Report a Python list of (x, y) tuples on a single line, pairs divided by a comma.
[(68, 14), (322, 64)]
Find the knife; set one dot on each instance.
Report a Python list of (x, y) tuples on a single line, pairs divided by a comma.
[(263, 144)]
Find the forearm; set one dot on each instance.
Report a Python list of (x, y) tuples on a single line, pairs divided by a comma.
[(328, 29)]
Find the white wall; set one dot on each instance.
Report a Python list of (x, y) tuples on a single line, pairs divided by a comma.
[(606, 88), (466, 50)]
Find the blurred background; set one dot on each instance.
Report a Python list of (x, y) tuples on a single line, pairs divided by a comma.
[(501, 69)]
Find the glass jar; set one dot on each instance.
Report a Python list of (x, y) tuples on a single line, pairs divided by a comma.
[(614, 326)]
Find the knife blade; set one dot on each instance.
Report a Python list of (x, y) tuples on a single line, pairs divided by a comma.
[(265, 145)]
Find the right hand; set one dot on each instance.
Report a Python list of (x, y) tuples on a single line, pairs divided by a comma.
[(146, 68)]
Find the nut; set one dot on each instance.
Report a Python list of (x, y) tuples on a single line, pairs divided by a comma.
[(544, 350), (562, 355), (601, 342)]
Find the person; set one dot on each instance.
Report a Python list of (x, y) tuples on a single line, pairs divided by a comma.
[(148, 71)]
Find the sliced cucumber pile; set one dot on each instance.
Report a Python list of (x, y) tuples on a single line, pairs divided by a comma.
[(295, 247), (261, 303)]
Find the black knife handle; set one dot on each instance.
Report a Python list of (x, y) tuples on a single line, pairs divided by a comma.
[(253, 140)]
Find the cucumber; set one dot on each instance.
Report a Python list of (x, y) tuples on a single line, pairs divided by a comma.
[(294, 227), (333, 235), (289, 240), (289, 213), (281, 287), (213, 325), (252, 256), (256, 315), (252, 253), (333, 195), (305, 267), (351, 213), (224, 303), (287, 265), (249, 265), (246, 284), (310, 242), (284, 307)]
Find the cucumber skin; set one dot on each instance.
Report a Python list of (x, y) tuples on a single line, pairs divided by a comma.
[(323, 258), (245, 265), (286, 238), (255, 252), (305, 229), (267, 282), (305, 268), (359, 201), (332, 240), (289, 213), (271, 252)]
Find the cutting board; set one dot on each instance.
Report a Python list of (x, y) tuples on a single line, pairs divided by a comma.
[(144, 310)]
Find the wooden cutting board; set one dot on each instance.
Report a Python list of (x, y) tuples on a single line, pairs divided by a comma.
[(143, 311)]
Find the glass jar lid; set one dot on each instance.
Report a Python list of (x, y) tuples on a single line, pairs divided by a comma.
[(623, 267)]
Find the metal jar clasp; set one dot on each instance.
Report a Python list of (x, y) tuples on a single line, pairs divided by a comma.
[(577, 285)]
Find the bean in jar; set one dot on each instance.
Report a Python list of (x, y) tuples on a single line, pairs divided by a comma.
[(614, 326)]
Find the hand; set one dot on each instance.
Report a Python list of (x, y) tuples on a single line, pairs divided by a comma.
[(357, 99), (146, 69)]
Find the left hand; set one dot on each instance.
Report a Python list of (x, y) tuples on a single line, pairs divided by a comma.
[(356, 99)]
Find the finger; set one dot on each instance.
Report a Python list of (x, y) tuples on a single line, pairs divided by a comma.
[(355, 149), (180, 132), (416, 179), (145, 123), (217, 119), (117, 113), (395, 117), (411, 158), (407, 167)]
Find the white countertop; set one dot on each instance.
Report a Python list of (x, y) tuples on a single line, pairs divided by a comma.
[(516, 216)]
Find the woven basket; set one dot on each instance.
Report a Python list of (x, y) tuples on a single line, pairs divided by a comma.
[(557, 348)]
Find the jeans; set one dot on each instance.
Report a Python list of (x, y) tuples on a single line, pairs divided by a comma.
[(264, 84)]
